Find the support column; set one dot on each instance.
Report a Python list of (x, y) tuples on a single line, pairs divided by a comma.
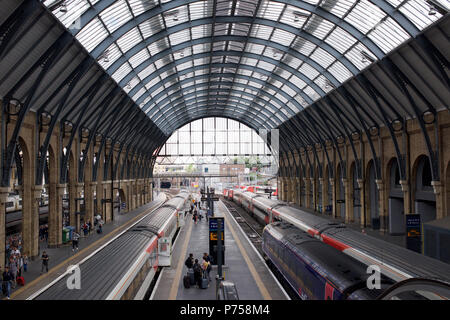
[(382, 202), (439, 191), (323, 190), (314, 194), (55, 223), (4, 191), (348, 197), (406, 196), (99, 196), (33, 224), (89, 201), (333, 198), (280, 188), (79, 192), (307, 203), (107, 207), (361, 184), (289, 190), (297, 191)]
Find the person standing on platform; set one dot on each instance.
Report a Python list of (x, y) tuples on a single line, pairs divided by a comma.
[(75, 238), (13, 269), (197, 272), (25, 263), (189, 263), (89, 227), (44, 259), (206, 266), (7, 277)]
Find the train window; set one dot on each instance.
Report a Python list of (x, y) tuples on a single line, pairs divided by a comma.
[(10, 204)]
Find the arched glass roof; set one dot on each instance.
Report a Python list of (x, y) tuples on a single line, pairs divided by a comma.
[(259, 61)]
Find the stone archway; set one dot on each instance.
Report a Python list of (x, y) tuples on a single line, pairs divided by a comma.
[(424, 197), (372, 198), (396, 214)]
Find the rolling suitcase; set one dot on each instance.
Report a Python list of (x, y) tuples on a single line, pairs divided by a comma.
[(20, 281), (204, 281), (190, 274), (186, 282)]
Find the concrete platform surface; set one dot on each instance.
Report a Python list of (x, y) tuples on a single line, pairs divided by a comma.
[(243, 265)]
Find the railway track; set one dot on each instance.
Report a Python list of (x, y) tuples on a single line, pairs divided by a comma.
[(254, 230)]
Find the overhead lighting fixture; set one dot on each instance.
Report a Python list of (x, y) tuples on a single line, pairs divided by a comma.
[(128, 85), (437, 7), (299, 14), (432, 11), (366, 58), (63, 7)]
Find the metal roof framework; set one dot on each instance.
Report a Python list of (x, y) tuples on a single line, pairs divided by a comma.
[(319, 70)]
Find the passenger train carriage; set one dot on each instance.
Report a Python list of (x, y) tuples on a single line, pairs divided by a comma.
[(118, 270), (313, 269), (396, 263)]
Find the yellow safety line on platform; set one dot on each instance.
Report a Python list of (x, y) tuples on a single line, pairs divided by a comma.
[(262, 288), (54, 269), (174, 289)]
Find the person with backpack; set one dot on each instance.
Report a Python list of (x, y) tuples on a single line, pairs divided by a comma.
[(197, 272), (189, 263)]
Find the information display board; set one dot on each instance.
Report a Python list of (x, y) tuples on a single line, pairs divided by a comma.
[(413, 233), (213, 232)]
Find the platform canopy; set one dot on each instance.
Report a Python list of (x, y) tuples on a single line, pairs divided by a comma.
[(314, 69)]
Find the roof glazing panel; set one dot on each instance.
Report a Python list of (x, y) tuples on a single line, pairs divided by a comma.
[(303, 49)]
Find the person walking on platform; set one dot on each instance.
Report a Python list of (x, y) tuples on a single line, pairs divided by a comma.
[(75, 238), (197, 272), (195, 217), (44, 259), (89, 227), (6, 285)]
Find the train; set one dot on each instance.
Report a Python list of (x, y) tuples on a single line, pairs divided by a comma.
[(394, 262), (314, 270), (14, 202), (119, 270)]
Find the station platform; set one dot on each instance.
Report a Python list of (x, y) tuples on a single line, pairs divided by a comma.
[(244, 266), (62, 257)]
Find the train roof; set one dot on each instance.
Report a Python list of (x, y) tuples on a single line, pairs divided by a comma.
[(341, 270)]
